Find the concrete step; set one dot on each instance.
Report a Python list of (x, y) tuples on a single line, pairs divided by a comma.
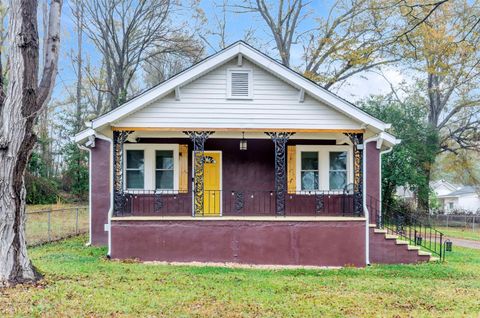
[(413, 248), (391, 236), (400, 242), (380, 231), (372, 225), (423, 253), (434, 259)]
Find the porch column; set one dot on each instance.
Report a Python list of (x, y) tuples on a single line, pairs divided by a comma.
[(280, 140), (357, 141), (198, 138), (119, 137)]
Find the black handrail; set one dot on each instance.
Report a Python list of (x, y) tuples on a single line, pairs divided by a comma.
[(407, 227)]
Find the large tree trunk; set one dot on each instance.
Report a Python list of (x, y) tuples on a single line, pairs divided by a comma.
[(25, 99)]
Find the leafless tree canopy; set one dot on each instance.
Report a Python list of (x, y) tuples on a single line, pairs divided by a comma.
[(282, 19), (128, 33), (354, 37)]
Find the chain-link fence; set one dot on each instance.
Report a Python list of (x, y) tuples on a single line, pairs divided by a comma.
[(465, 221), (54, 224)]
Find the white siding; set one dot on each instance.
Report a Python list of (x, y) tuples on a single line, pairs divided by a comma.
[(469, 202), (204, 104)]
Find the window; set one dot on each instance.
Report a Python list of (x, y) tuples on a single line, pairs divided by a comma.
[(323, 167), (338, 170), (239, 84), (164, 169), (151, 166), (135, 169), (309, 172)]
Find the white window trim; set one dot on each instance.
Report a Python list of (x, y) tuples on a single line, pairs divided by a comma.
[(324, 165), (149, 165), (229, 82)]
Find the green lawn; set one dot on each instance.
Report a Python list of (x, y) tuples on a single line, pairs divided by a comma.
[(80, 282), (460, 232)]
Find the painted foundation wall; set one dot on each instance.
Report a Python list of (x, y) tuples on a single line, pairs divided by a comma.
[(100, 192), (313, 243)]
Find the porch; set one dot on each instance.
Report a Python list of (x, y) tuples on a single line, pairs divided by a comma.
[(237, 174)]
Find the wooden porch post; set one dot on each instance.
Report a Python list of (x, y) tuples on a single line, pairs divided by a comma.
[(280, 140)]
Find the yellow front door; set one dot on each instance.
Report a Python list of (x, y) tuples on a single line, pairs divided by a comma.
[(212, 197)]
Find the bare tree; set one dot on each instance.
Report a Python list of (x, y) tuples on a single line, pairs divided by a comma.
[(161, 67), (77, 11), (351, 39), (216, 36), (24, 99), (356, 35), (445, 52), (3, 35), (129, 32), (282, 18)]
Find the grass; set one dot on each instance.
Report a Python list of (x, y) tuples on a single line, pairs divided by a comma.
[(62, 219), (80, 282), (463, 233)]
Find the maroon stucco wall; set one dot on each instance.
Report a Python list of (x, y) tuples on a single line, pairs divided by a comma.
[(314, 243), (373, 180), (383, 251), (252, 169), (100, 192)]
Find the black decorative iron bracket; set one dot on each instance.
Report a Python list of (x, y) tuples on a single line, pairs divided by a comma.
[(280, 140), (198, 138), (319, 202), (119, 199), (357, 140), (239, 200)]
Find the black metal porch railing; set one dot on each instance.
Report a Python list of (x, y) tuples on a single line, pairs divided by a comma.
[(236, 203), (407, 227)]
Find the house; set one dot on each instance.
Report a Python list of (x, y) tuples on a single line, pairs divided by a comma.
[(240, 159), (454, 198), (451, 197)]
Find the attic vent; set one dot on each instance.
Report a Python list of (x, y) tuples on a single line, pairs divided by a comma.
[(239, 84)]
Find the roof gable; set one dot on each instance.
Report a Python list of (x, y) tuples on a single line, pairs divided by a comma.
[(260, 59), (205, 103)]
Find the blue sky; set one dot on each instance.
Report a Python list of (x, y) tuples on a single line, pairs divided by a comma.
[(356, 88)]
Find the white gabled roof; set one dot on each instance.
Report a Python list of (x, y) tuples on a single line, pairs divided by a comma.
[(217, 60)]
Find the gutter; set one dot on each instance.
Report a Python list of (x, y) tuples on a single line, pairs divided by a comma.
[(380, 181), (89, 192)]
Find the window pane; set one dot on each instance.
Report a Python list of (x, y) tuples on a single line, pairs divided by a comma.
[(164, 159), (135, 159), (309, 160), (309, 180), (134, 179), (338, 180), (164, 179), (338, 160)]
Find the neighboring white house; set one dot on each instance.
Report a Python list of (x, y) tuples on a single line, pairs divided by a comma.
[(452, 197)]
